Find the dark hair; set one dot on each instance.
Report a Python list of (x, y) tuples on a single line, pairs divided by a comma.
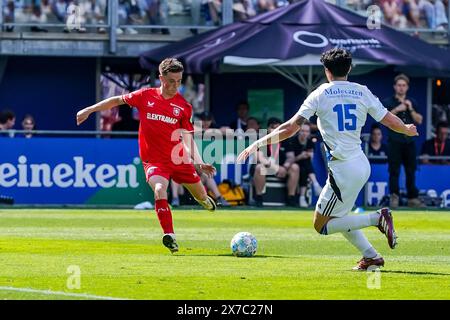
[(338, 61), (206, 115), (243, 103), (441, 124), (6, 115), (403, 77), (170, 65), (272, 121), (307, 123), (374, 127), (253, 118), (29, 117)]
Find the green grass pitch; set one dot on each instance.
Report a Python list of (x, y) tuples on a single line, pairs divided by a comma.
[(119, 254)]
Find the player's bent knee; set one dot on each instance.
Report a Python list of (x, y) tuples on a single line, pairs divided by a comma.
[(160, 191), (320, 223), (294, 168), (318, 226)]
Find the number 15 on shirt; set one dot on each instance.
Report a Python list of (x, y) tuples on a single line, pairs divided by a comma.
[(346, 119)]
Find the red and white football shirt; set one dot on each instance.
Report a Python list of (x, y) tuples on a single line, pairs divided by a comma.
[(160, 123)]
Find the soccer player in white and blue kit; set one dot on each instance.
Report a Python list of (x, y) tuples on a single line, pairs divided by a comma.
[(341, 108)]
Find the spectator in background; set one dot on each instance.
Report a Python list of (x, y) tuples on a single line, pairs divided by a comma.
[(315, 133), (253, 124), (46, 8), (300, 150), (376, 146), (275, 163), (196, 10), (243, 10), (207, 120), (401, 148), (440, 113), (151, 8), (209, 126), (440, 14), (157, 12), (125, 11), (412, 13), (213, 12), (95, 11), (269, 5), (59, 9), (7, 122), (437, 146), (266, 5), (242, 110), (392, 13), (75, 17), (426, 9), (9, 14), (28, 124), (194, 94), (37, 16)]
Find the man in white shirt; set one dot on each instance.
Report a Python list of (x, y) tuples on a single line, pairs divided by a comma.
[(342, 107)]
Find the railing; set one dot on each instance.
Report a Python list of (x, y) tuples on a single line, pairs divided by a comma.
[(133, 17), (133, 134), (65, 133), (420, 158), (365, 137), (112, 18), (121, 15)]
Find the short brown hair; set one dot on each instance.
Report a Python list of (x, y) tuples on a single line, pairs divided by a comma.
[(170, 65), (403, 77)]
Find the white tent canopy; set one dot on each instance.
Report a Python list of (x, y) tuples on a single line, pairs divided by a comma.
[(306, 71)]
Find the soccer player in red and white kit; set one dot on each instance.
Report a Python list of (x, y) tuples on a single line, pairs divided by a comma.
[(166, 145)]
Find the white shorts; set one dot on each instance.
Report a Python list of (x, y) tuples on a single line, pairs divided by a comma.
[(345, 180)]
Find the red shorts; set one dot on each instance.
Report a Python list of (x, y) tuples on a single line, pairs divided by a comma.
[(183, 173)]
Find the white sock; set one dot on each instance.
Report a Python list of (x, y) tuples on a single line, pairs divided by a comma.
[(171, 234), (350, 223), (359, 240)]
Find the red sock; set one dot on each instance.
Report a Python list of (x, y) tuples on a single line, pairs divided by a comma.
[(164, 215)]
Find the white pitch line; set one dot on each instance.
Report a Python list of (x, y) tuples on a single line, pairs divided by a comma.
[(59, 293)]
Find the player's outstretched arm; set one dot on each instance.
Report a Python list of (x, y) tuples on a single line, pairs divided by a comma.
[(283, 132), (393, 122), (106, 104)]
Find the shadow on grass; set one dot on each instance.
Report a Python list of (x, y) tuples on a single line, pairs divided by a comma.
[(420, 273), (258, 256)]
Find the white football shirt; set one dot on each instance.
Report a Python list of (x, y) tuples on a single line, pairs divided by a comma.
[(341, 108)]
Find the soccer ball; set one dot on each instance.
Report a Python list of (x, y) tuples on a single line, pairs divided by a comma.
[(244, 244)]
